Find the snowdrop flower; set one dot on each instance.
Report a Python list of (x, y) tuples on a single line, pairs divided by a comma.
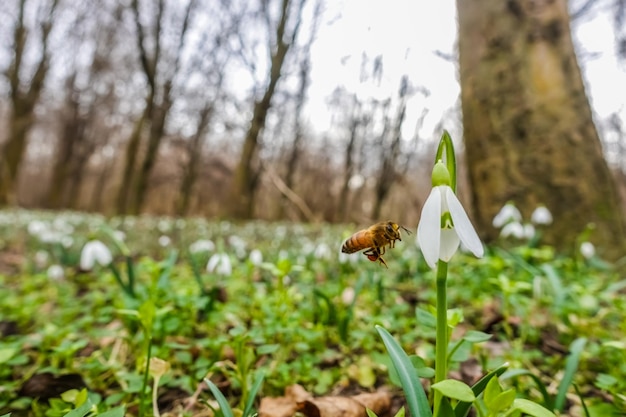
[(220, 264), (541, 215), (518, 230), (529, 231), (322, 251), (514, 229), (444, 223), (587, 250), (164, 241), (55, 272), (119, 235), (94, 252), (239, 245), (202, 245), (507, 214), (37, 227), (255, 257)]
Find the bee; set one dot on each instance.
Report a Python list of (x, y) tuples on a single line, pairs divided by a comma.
[(375, 238)]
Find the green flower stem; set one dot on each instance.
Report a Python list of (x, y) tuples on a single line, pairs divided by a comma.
[(441, 344), (142, 395)]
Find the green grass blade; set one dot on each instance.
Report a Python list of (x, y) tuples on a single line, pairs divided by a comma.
[(413, 390), (571, 365), (221, 400), (167, 269), (582, 401), (462, 408), (253, 392)]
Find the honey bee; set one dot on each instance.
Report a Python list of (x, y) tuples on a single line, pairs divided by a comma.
[(375, 238)]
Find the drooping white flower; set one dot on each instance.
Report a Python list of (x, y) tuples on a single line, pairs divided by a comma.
[(587, 249), (220, 264), (94, 252), (164, 241), (529, 231), (55, 272), (507, 214), (443, 225), (255, 257), (541, 215), (518, 230), (202, 245)]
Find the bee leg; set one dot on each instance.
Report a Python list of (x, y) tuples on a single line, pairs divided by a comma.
[(372, 254), (377, 255)]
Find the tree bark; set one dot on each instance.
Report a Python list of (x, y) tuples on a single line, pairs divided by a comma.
[(246, 173), (390, 154), (194, 155), (22, 101), (528, 128)]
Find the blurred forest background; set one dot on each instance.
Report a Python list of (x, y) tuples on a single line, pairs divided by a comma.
[(200, 107)]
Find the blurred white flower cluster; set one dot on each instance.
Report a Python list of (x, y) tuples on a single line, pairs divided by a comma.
[(509, 221)]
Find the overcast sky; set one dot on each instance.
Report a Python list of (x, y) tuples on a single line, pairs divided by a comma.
[(407, 33)]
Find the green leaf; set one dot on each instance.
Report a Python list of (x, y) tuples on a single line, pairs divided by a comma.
[(370, 413), (167, 269), (413, 390), (81, 411), (540, 385), (445, 410), (219, 397), (454, 389), (502, 401), (252, 393), (115, 412), (7, 353), (492, 390), (462, 408), (571, 365), (425, 318), (474, 336), (400, 412), (531, 408)]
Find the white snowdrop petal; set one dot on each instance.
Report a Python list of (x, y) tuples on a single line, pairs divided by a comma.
[(462, 224), (508, 213), (429, 227), (541, 215), (449, 244)]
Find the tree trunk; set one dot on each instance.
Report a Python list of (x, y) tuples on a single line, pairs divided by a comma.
[(130, 159), (194, 155), (349, 169), (390, 154), (157, 131), (23, 102), (246, 173), (528, 129)]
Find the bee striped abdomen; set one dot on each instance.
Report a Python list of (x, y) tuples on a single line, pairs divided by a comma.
[(358, 241)]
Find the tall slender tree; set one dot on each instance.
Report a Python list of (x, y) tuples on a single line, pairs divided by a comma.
[(24, 92), (528, 128), (248, 169), (159, 74)]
